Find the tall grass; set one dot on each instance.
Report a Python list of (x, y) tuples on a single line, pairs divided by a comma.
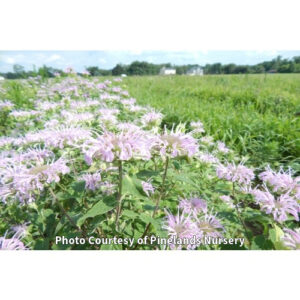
[(254, 114), (257, 115)]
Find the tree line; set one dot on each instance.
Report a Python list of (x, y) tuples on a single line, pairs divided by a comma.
[(276, 65)]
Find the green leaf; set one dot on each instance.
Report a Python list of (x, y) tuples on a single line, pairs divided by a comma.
[(130, 186), (99, 208), (148, 219), (78, 187), (146, 174), (42, 244), (275, 236), (130, 214), (183, 177), (261, 243)]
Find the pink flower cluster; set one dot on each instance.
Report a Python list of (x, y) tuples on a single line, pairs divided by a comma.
[(279, 195), (6, 105), (279, 206), (197, 127), (148, 188), (192, 221), (235, 173), (23, 182), (13, 243), (281, 181), (92, 181), (291, 238), (151, 119), (177, 143), (118, 146)]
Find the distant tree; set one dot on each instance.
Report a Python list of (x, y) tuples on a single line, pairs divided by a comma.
[(241, 69), (118, 70), (296, 59), (46, 72), (94, 71), (18, 69), (258, 69), (277, 64), (285, 68), (228, 69), (297, 68), (216, 68)]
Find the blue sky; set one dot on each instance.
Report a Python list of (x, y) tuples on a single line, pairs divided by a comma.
[(108, 59)]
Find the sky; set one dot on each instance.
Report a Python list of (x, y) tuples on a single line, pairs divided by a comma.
[(79, 60)]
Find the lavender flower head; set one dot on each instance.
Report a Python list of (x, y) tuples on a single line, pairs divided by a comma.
[(6, 105), (210, 226), (37, 154), (239, 173), (148, 188), (279, 207), (121, 146), (280, 181), (177, 143), (23, 114), (207, 158), (207, 140), (291, 238), (92, 181), (59, 138), (179, 227), (13, 243), (197, 127), (193, 205), (222, 147), (22, 182), (151, 119)]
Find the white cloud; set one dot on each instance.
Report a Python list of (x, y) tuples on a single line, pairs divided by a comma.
[(12, 59), (54, 57), (102, 60), (9, 60)]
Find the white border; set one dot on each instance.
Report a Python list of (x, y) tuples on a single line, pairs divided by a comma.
[(150, 274), (149, 25)]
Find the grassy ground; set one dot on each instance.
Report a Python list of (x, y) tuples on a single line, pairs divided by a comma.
[(254, 114)]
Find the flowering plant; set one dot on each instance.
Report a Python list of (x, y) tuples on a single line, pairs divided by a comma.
[(84, 159)]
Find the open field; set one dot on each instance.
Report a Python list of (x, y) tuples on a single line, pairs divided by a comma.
[(254, 114), (88, 163)]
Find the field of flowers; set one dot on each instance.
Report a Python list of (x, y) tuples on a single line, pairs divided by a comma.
[(80, 158)]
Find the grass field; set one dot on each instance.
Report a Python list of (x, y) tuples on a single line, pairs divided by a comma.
[(79, 158), (254, 114)]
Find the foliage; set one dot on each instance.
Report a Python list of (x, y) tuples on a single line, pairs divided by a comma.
[(254, 114), (82, 160)]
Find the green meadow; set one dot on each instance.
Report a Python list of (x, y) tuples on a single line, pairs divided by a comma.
[(257, 115)]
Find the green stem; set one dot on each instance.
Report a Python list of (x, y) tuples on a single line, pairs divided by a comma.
[(119, 199), (64, 211), (162, 191), (239, 214), (67, 215)]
